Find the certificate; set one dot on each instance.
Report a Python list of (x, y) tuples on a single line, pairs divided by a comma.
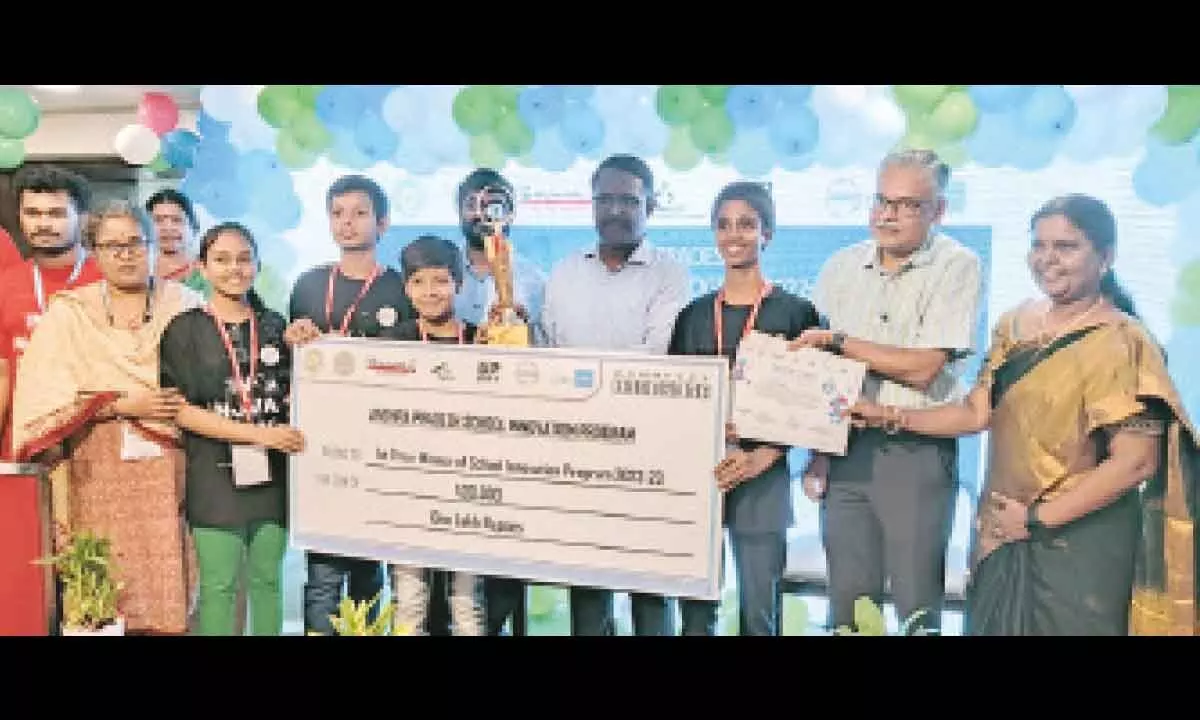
[(794, 397), (556, 466)]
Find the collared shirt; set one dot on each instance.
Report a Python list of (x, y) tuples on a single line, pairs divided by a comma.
[(634, 308), (479, 292), (931, 302)]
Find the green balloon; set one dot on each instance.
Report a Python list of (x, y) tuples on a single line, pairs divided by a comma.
[(512, 135), (917, 139), (1181, 119), (678, 104), (504, 98), (474, 110), (714, 94), (681, 153), (12, 153), (953, 154), (919, 99), (487, 153), (19, 114), (278, 104), (543, 601), (712, 130), (159, 164), (1185, 308), (292, 154), (272, 287), (954, 118), (307, 94), (795, 616), (309, 132)]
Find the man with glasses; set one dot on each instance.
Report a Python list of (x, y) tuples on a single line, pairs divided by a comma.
[(905, 303), (620, 295), (52, 204)]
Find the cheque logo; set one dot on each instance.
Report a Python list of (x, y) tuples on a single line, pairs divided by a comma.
[(343, 363), (527, 373), (585, 379), (406, 367), (313, 360), (487, 371), (442, 372)]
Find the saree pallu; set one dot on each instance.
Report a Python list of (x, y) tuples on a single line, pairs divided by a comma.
[(75, 365), (1128, 567)]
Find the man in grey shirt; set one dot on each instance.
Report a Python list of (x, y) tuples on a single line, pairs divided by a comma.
[(621, 295), (905, 302)]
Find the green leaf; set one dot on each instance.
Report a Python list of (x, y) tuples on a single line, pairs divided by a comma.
[(868, 618)]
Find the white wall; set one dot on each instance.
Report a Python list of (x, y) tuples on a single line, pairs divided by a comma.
[(88, 134)]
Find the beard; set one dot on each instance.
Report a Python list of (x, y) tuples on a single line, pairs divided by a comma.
[(617, 233), (477, 232)]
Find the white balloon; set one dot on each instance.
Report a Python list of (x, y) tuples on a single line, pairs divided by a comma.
[(405, 111), (248, 131), (884, 117), (137, 144)]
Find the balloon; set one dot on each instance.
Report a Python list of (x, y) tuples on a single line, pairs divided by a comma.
[(582, 129), (712, 130), (158, 112), (752, 154), (576, 93), (919, 98), (293, 154), (791, 95), (179, 148), (19, 114), (340, 105), (250, 132), (12, 153), (416, 157), (999, 98), (541, 106), (346, 153), (550, 152), (795, 132), (681, 154), (1182, 118), (1185, 309), (1166, 173), (373, 136), (159, 165), (309, 132), (713, 94), (513, 136), (277, 104), (474, 110), (208, 126), (1048, 112), (678, 104), (954, 118), (750, 106), (137, 144), (486, 153)]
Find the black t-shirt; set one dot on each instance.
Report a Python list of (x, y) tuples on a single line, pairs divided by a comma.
[(385, 304), (781, 313), (411, 330), (194, 360)]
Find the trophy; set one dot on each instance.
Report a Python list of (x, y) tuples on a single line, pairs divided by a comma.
[(505, 326)]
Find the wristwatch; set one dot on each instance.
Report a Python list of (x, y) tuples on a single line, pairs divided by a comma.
[(836, 340)]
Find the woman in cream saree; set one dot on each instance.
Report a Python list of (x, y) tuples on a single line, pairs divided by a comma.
[(87, 392)]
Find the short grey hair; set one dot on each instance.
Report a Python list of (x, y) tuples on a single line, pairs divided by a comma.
[(927, 160)]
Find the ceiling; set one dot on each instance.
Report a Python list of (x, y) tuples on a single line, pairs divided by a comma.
[(108, 98)]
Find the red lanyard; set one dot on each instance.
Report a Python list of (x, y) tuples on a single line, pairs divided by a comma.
[(333, 273), (242, 386), (425, 333), (719, 321)]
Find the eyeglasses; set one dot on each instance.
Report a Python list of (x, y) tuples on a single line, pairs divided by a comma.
[(903, 205), (126, 248), (624, 202)]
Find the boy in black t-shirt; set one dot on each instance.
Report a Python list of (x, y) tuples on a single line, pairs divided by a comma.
[(357, 296), (432, 269)]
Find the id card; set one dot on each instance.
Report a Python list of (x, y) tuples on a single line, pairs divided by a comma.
[(250, 466), (136, 447)]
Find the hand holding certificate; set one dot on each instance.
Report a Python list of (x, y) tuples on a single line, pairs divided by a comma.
[(794, 397)]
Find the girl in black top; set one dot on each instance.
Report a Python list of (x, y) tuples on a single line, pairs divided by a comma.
[(230, 363), (432, 270), (754, 476)]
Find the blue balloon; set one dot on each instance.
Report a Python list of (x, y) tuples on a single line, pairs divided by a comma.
[(541, 106), (1049, 111), (992, 141), (341, 105), (281, 212), (1166, 174), (794, 131), (750, 106), (208, 127), (998, 98), (550, 152), (793, 95), (416, 157), (224, 200), (796, 163), (179, 148), (576, 93), (345, 152), (752, 154), (214, 160), (582, 129), (375, 138)]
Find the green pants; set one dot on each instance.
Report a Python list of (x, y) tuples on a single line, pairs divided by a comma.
[(221, 552)]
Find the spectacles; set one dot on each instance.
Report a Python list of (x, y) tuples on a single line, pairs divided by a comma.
[(118, 249), (625, 202), (903, 205)]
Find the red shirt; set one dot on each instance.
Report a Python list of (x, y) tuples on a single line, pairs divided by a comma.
[(9, 254), (19, 314)]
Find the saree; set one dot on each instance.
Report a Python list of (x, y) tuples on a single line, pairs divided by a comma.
[(1126, 568), (74, 366)]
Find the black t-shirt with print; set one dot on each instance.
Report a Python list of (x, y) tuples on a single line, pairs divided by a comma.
[(385, 304), (411, 330), (194, 360)]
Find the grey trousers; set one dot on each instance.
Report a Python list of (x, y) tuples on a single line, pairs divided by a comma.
[(887, 513)]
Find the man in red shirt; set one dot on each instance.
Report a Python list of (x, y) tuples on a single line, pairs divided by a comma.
[(52, 203), (9, 253)]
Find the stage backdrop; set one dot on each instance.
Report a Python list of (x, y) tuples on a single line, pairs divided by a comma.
[(269, 153)]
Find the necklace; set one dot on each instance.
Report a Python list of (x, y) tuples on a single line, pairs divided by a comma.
[(1045, 336)]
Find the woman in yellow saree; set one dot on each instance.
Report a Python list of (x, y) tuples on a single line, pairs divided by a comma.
[(1085, 526), (87, 394)]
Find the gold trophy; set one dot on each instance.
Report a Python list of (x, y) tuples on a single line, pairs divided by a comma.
[(505, 325)]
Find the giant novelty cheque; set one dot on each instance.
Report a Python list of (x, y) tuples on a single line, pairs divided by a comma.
[(555, 466)]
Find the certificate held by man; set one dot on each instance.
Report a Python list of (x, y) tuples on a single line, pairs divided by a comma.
[(795, 397), (555, 466)]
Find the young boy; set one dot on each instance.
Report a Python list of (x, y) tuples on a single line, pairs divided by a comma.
[(432, 269)]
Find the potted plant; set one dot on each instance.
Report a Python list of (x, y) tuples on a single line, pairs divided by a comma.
[(90, 588), (869, 620), (351, 618)]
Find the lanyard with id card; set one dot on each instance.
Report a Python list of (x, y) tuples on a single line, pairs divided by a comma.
[(719, 329), (248, 463)]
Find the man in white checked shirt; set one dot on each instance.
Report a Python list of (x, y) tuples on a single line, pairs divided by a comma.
[(905, 302)]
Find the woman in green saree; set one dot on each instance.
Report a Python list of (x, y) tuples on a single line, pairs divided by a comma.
[(1085, 526)]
